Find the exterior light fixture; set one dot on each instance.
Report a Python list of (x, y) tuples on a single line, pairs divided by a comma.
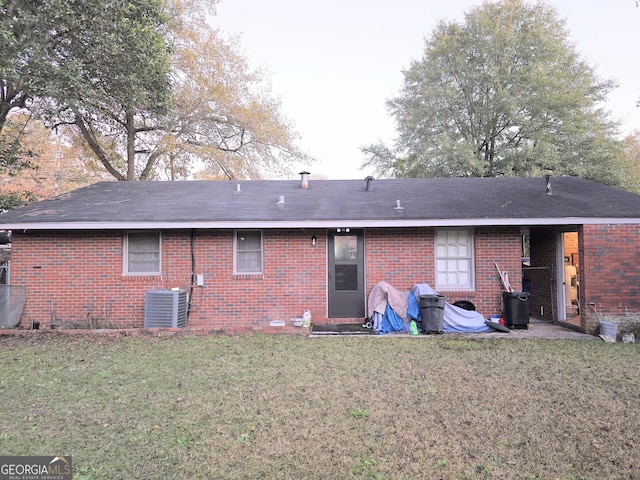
[(313, 241)]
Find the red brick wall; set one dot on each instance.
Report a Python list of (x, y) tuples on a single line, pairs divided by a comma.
[(401, 257), (76, 276), (82, 275), (405, 257), (610, 274), (294, 280)]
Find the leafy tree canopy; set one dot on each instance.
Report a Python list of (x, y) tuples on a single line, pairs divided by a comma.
[(631, 161), (221, 120), (502, 93), (14, 157), (70, 54), (60, 57), (54, 167), (147, 86)]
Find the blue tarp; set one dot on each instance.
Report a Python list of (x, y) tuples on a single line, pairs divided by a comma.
[(391, 322)]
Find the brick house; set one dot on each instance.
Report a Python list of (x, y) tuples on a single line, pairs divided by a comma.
[(249, 253)]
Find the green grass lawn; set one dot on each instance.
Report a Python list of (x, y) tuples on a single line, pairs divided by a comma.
[(254, 406)]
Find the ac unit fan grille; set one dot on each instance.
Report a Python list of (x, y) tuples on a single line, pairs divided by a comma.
[(165, 309)]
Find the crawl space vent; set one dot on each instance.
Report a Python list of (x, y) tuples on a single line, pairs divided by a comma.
[(165, 308)]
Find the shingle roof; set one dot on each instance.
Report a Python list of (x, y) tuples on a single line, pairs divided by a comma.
[(227, 204)]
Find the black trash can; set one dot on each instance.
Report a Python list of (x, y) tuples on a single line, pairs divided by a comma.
[(432, 313), (515, 309)]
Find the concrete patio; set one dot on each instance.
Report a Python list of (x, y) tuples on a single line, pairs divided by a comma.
[(537, 329)]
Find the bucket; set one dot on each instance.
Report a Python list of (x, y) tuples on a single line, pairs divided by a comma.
[(609, 330)]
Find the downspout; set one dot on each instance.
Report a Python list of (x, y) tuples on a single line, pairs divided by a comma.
[(193, 273)]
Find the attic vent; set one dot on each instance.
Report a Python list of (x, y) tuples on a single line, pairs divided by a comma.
[(165, 308)]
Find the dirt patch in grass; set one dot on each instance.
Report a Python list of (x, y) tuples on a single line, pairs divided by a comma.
[(258, 406)]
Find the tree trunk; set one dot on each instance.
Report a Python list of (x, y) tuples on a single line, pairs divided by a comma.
[(131, 146), (93, 144), (10, 99)]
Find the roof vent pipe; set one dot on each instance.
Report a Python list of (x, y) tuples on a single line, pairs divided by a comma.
[(548, 179), (280, 203), (238, 188), (305, 179), (369, 181)]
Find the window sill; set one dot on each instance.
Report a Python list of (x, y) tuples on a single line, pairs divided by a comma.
[(141, 277), (454, 289), (248, 276)]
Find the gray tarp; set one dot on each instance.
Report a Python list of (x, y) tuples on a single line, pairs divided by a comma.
[(12, 299), (456, 319), (382, 294)]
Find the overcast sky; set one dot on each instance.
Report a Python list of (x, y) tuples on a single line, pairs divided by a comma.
[(334, 63)]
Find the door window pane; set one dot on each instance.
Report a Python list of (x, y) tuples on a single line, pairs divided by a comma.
[(346, 277), (346, 249)]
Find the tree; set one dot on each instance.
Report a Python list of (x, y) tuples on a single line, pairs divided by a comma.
[(14, 157), (502, 93), (631, 162), (146, 84), (70, 62), (55, 166), (71, 54), (222, 116)]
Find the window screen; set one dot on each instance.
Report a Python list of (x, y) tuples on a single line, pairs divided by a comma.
[(142, 253), (248, 251)]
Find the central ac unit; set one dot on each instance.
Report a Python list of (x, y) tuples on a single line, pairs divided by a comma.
[(165, 308)]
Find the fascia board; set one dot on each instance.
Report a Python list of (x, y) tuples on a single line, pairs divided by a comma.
[(452, 222)]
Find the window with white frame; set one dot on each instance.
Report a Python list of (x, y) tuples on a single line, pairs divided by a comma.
[(142, 253), (454, 259), (248, 251)]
